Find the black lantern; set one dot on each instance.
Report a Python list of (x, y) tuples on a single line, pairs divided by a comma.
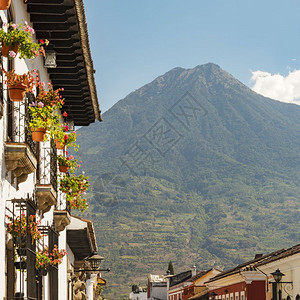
[(213, 295), (50, 59), (95, 261), (277, 275)]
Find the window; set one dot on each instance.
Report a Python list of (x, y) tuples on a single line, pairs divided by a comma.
[(236, 296)]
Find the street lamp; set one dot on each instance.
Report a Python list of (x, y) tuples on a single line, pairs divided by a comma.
[(213, 295), (95, 261), (277, 275)]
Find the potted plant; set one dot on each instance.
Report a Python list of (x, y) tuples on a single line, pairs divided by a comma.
[(19, 84), (57, 255), (42, 119), (75, 186), (20, 226), (50, 98), (5, 4), (18, 38), (66, 162), (79, 203), (44, 259), (62, 138)]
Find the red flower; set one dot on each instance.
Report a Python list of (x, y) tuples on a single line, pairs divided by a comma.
[(65, 114), (42, 41)]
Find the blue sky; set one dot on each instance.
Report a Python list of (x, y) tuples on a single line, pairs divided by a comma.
[(134, 41)]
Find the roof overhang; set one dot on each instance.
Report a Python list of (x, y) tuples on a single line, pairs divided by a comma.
[(81, 237), (63, 23)]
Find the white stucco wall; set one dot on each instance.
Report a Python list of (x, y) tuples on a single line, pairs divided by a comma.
[(7, 189)]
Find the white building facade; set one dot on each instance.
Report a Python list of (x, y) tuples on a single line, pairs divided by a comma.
[(29, 172)]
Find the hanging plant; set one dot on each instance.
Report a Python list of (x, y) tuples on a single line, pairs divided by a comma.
[(79, 203), (18, 85), (5, 4), (62, 138), (42, 119), (50, 98), (20, 227), (17, 38), (69, 162), (75, 186), (44, 259)]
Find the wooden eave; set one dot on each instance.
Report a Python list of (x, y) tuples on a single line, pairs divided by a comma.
[(63, 23)]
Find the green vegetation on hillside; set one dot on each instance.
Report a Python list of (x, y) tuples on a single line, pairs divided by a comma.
[(209, 177)]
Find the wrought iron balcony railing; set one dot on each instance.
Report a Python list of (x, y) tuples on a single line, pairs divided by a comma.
[(18, 123), (47, 167)]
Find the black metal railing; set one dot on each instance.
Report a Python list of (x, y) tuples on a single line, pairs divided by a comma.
[(25, 259), (18, 130), (47, 170), (62, 203)]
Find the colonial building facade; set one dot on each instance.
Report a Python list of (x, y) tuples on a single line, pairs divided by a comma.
[(32, 202)]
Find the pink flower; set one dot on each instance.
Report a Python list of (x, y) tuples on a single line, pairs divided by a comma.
[(12, 54), (40, 104), (71, 157), (65, 114), (14, 26), (62, 89), (32, 104)]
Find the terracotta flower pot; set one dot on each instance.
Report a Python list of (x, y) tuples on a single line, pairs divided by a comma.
[(4, 4), (63, 169), (38, 134), (17, 92), (6, 49), (59, 145)]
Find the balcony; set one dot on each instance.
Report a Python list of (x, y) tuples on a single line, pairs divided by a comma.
[(62, 213), (20, 150), (46, 187), (20, 263)]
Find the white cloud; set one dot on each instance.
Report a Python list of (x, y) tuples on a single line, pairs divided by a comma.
[(278, 87)]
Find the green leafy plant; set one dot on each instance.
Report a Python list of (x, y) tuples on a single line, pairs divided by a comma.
[(75, 186), (50, 98), (18, 37), (60, 135), (41, 116), (67, 161), (45, 259), (79, 203), (20, 227)]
